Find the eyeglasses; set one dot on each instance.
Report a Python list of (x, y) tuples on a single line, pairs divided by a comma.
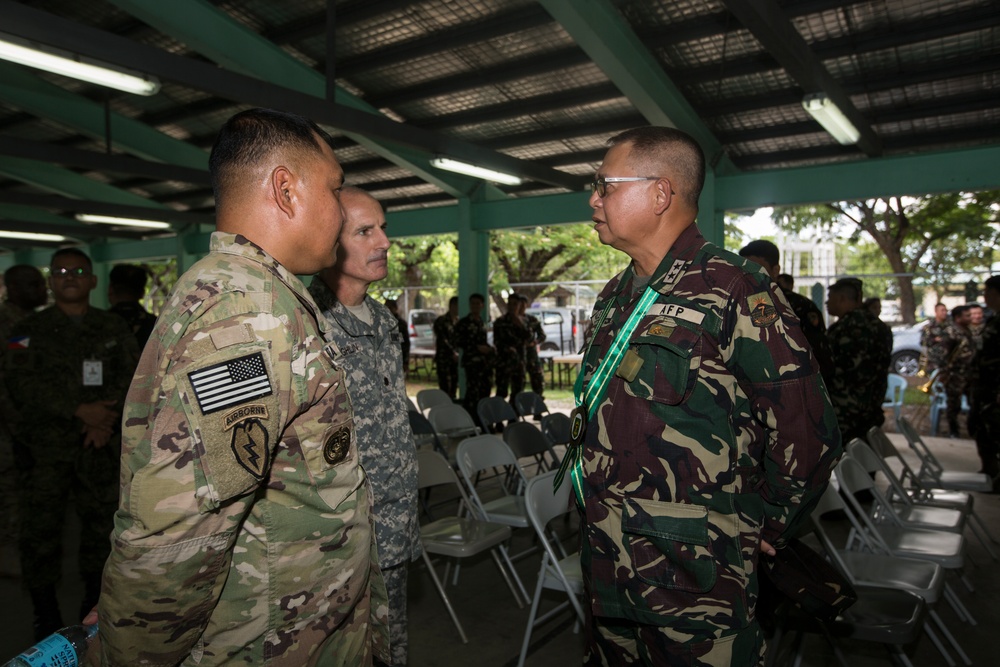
[(78, 272), (600, 184)]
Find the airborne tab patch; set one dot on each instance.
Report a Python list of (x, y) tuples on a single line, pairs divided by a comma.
[(762, 310), (230, 383)]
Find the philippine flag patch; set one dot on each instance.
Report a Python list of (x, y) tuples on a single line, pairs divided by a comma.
[(18, 343)]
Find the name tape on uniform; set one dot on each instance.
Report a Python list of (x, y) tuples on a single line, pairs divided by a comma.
[(676, 310)]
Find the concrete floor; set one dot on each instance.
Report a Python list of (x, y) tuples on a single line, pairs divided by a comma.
[(495, 626)]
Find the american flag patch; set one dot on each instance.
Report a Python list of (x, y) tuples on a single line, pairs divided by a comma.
[(231, 382)]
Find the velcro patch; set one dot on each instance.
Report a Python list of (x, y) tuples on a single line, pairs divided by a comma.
[(234, 417), (230, 383), (762, 310)]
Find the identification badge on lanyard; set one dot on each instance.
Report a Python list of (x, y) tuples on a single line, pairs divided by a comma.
[(93, 373)]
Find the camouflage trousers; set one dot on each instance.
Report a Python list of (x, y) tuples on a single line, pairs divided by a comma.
[(478, 384), (396, 577), (47, 488), (510, 376), (447, 372), (535, 374), (954, 390), (612, 642)]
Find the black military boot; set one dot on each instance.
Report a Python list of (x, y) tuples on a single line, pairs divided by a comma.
[(46, 606)]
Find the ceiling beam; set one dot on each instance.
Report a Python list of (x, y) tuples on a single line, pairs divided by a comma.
[(121, 210), (51, 178), (604, 34), (779, 38)]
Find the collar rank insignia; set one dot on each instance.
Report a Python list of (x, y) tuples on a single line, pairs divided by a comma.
[(762, 310)]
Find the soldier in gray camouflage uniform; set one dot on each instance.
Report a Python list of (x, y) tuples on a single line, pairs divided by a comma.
[(714, 437), (25, 291), (960, 350), (370, 345), (861, 345), (67, 369), (244, 531)]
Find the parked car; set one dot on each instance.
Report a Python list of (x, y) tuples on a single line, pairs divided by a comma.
[(563, 327), (906, 349), (421, 325)]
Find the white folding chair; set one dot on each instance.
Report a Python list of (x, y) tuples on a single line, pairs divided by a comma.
[(932, 473), (451, 421), (458, 537), (429, 398), (556, 573)]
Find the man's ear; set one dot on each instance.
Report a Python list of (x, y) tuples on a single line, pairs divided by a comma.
[(283, 190), (664, 196)]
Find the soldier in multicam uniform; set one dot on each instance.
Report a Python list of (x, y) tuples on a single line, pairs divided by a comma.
[(370, 346), (532, 360), (985, 384), (244, 531), (25, 291), (960, 350), (861, 352), (511, 339), (66, 370), (766, 254), (477, 355), (714, 436), (933, 339), (445, 351)]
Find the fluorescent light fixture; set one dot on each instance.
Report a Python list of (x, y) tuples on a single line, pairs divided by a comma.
[(831, 118), (122, 222), (472, 170), (57, 61), (31, 236)]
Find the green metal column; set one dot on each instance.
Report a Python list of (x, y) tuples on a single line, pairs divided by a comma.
[(473, 266), (99, 257)]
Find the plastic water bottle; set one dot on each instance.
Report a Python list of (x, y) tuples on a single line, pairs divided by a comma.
[(64, 648)]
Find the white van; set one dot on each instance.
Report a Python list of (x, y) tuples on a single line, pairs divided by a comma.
[(421, 327), (563, 327)]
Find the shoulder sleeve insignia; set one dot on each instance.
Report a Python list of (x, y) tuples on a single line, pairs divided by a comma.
[(249, 444), (337, 445), (762, 310), (231, 382)]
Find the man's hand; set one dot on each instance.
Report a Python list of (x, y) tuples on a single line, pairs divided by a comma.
[(96, 437), (767, 548), (98, 414)]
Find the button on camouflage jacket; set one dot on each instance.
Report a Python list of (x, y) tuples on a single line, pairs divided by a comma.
[(724, 434), (243, 532)]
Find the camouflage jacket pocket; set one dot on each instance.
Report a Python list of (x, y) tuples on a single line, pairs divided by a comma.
[(662, 362), (669, 544)]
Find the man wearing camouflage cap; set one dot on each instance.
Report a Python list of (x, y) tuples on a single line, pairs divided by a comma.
[(371, 344), (704, 433), (243, 533)]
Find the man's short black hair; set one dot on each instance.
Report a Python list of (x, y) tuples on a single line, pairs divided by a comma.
[(453, 301), (993, 283), (852, 287), (763, 249), (958, 311), (249, 137), (71, 252), (477, 295), (128, 281)]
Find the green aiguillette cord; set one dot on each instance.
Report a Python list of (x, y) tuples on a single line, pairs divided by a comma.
[(591, 398)]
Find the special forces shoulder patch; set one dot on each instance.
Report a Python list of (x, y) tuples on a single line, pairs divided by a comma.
[(250, 446), (231, 382), (762, 310)]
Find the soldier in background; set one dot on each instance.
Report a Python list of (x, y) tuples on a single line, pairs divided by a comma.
[(766, 254), (532, 360), (445, 350), (861, 356), (976, 324), (933, 339), (371, 355), (985, 386), (66, 371), (511, 339), (960, 350), (244, 529), (404, 333), (786, 282), (126, 286), (26, 291), (478, 356), (712, 419)]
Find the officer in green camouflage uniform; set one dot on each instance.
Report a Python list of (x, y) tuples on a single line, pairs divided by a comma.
[(933, 339), (985, 384), (811, 321), (477, 355), (67, 369), (861, 355), (714, 437), (511, 339), (371, 344), (445, 351), (960, 350), (243, 533), (25, 291), (533, 362)]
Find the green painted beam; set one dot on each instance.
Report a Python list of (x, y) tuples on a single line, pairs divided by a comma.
[(216, 35), (69, 183), (604, 35), (967, 170), (32, 214), (423, 221), (555, 209), (22, 89)]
